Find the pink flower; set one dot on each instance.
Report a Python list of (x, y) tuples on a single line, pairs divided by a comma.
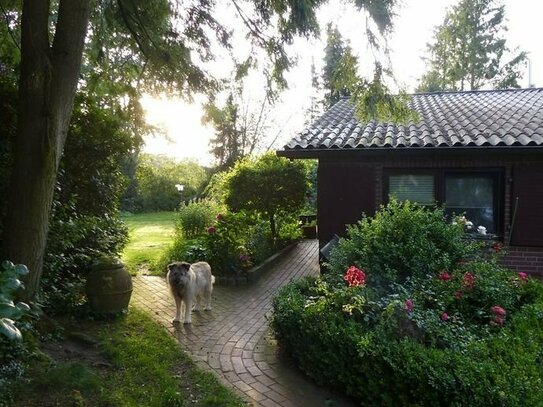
[(444, 316), (354, 276), (523, 276), (220, 217), (498, 247), (243, 257), (444, 276), (458, 295), (498, 311), (499, 315), (469, 280), (409, 305), (211, 230)]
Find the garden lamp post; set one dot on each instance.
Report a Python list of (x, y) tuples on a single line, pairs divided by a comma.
[(180, 189)]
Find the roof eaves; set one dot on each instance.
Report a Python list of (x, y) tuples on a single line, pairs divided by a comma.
[(382, 151)]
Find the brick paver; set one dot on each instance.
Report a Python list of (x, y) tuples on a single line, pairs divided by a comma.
[(234, 339)]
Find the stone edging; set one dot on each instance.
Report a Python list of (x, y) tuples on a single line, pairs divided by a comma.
[(253, 274)]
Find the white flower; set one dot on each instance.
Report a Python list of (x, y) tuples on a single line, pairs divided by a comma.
[(469, 225), (481, 230)]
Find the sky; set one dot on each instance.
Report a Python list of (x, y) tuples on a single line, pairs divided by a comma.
[(187, 138)]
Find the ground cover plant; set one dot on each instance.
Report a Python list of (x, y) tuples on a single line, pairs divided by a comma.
[(410, 313), (127, 361)]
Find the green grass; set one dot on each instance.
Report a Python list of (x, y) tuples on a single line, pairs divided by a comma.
[(150, 235), (144, 367)]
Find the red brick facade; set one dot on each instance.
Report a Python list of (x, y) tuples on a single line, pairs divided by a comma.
[(527, 259), (352, 185)]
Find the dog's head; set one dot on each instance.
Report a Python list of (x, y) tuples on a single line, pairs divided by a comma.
[(177, 272)]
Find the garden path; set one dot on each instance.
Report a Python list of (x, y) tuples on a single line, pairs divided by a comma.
[(234, 339)]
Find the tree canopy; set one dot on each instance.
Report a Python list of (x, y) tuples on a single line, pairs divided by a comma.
[(268, 186), (469, 51), (115, 50), (340, 72)]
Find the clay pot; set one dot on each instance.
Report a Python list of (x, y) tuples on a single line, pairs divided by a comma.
[(109, 286)]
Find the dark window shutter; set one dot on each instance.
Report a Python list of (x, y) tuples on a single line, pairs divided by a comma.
[(528, 223)]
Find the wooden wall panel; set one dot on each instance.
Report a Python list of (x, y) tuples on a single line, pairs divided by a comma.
[(345, 190), (528, 222)]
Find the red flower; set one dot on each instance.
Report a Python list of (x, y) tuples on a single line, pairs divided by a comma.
[(409, 305), (220, 217), (458, 295), (523, 276), (498, 247), (444, 276), (444, 316), (354, 276), (211, 230), (469, 280)]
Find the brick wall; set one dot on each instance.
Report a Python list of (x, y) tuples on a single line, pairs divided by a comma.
[(527, 259)]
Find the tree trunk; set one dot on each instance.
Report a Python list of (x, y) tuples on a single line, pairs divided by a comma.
[(47, 85)]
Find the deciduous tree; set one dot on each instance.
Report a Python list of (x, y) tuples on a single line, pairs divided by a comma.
[(267, 185), (133, 45)]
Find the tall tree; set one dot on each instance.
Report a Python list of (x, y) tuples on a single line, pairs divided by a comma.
[(238, 129), (340, 72), (136, 44), (469, 50), (48, 78)]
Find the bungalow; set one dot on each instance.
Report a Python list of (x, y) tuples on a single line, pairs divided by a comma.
[(477, 152)]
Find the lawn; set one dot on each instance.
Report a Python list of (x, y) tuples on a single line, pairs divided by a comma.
[(127, 361), (150, 234)]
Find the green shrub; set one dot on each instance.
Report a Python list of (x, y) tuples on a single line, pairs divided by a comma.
[(403, 239), (232, 243), (226, 243), (190, 250), (75, 240), (9, 311), (15, 326), (194, 218), (467, 335)]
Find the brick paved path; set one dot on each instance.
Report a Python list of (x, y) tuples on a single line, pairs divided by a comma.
[(234, 339)]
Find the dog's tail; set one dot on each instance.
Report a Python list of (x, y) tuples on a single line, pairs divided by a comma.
[(212, 279)]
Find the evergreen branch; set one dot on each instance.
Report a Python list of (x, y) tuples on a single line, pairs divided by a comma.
[(10, 31)]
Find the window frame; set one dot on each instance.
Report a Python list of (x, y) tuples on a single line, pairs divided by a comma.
[(440, 175)]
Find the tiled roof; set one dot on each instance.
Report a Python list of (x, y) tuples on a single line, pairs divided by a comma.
[(499, 118)]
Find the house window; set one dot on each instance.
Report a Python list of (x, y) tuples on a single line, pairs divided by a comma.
[(413, 187), (475, 194)]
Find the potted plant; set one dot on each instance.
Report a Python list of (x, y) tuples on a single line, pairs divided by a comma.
[(309, 226), (109, 285)]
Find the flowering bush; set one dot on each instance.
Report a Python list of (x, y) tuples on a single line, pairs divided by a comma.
[(453, 335), (402, 240)]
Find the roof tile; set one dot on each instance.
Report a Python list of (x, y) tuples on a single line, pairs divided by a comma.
[(447, 119)]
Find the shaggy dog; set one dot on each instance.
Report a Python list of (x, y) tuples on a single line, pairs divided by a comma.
[(188, 283)]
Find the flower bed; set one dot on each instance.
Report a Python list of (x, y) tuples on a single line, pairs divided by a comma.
[(457, 329)]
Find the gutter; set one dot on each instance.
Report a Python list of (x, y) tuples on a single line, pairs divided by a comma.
[(408, 151)]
